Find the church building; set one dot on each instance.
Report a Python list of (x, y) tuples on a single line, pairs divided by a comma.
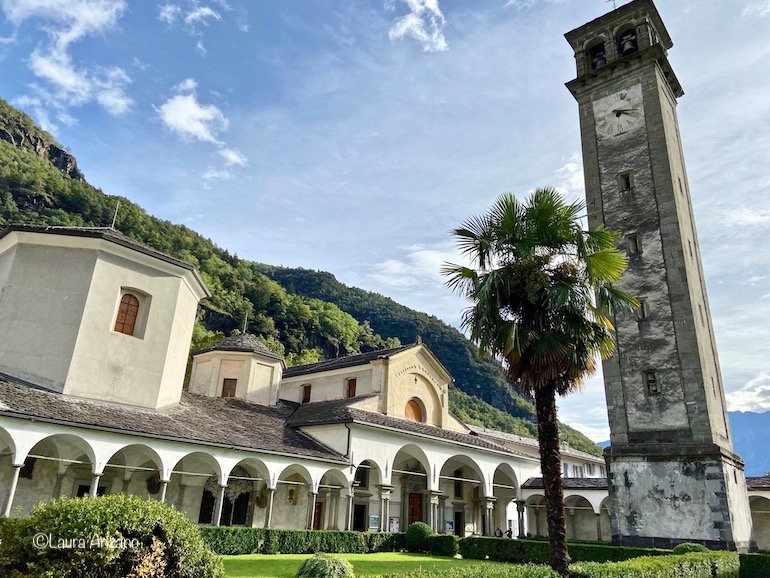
[(95, 332)]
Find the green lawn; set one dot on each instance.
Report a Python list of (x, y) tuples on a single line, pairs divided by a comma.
[(286, 565)]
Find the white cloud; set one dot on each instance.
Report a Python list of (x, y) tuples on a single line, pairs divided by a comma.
[(188, 118), (187, 85), (757, 8), (66, 22), (200, 47), (200, 14), (217, 175), (424, 23), (754, 396), (530, 3), (233, 157), (749, 217), (168, 13), (570, 180)]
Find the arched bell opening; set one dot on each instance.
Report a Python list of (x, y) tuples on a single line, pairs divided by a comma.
[(597, 54), (627, 42)]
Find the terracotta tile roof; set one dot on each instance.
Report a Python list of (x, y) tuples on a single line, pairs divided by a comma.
[(344, 411), (347, 361), (758, 483), (569, 484), (242, 342), (223, 422)]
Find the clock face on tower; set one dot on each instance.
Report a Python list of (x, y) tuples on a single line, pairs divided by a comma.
[(619, 113)]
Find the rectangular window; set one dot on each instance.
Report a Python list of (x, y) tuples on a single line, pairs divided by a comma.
[(352, 387), (565, 467), (625, 182), (651, 382), (633, 244), (578, 472), (642, 311), (603, 471), (228, 387), (306, 393), (590, 469)]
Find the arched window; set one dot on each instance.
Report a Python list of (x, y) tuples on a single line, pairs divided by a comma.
[(597, 55), (413, 410), (128, 312), (627, 42)]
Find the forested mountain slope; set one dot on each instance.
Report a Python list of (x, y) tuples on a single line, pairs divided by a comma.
[(304, 315)]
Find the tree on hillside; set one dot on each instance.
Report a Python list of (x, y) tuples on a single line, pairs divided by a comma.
[(541, 294)]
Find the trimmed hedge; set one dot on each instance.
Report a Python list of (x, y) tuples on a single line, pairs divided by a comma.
[(538, 551), (520, 571), (116, 535), (694, 565), (228, 540), (443, 544), (386, 542), (755, 565)]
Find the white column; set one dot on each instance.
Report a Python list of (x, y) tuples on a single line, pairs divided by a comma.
[(94, 485), (520, 507), (219, 504), (349, 513), (312, 498), (269, 509), (12, 489), (163, 488)]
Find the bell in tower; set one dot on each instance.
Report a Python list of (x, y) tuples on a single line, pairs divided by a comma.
[(628, 43)]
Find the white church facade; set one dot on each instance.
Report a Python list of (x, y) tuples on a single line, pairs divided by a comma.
[(94, 337)]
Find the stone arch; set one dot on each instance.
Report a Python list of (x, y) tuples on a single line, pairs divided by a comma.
[(626, 39), (135, 469), (7, 443), (194, 486), (294, 496), (582, 523), (247, 495), (505, 489), (56, 465), (330, 508), (412, 481), (760, 519), (462, 480), (605, 521), (596, 52), (367, 478), (537, 523)]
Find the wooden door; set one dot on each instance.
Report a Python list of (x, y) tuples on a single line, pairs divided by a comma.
[(415, 508)]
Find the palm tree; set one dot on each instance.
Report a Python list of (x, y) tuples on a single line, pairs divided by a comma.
[(542, 301)]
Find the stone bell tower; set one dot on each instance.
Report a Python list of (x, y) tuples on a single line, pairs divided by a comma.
[(673, 476)]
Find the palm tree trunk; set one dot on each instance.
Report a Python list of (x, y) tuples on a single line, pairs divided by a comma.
[(550, 465)]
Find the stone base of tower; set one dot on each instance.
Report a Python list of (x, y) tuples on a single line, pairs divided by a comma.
[(665, 496)]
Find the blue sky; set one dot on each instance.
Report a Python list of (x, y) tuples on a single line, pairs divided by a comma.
[(353, 136)]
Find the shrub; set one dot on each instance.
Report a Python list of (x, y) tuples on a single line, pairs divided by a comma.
[(386, 542), (537, 551), (117, 535), (224, 540), (755, 566), (694, 565), (417, 537), (519, 571), (323, 566), (687, 547), (443, 544)]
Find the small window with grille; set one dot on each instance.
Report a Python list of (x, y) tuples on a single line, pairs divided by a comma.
[(651, 382)]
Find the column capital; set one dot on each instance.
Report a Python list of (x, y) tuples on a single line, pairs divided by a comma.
[(521, 505)]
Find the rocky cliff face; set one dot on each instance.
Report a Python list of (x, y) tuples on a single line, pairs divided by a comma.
[(20, 131)]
